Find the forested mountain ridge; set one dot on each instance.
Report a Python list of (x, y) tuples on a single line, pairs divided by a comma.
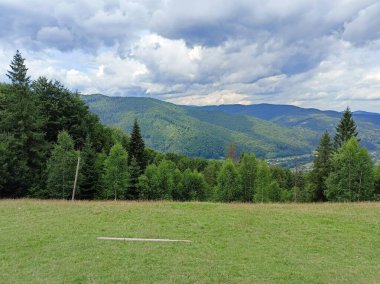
[(270, 131), (173, 128), (308, 118)]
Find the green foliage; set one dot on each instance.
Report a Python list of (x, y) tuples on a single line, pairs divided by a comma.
[(61, 168), (21, 118), (18, 73), (134, 173), (193, 186), (248, 172), (90, 175), (345, 129), (377, 182), (136, 147), (211, 173), (263, 183), (229, 183), (352, 177), (116, 176), (274, 192), (321, 167), (196, 133)]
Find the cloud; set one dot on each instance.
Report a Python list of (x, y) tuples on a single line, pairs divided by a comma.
[(316, 54)]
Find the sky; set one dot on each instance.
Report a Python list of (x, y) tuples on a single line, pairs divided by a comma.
[(312, 53)]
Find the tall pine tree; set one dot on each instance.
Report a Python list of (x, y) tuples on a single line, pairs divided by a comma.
[(22, 120), (345, 129), (321, 168), (136, 147)]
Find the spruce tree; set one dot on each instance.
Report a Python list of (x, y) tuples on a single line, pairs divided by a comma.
[(89, 174), (18, 72), (136, 147), (134, 173), (23, 120), (345, 129), (321, 167)]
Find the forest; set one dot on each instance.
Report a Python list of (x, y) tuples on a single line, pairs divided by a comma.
[(46, 131)]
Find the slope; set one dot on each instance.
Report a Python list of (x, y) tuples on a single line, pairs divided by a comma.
[(198, 133)]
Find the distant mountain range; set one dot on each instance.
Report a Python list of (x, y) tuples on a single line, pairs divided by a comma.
[(270, 131)]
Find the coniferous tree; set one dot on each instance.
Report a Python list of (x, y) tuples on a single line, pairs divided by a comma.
[(134, 173), (229, 183), (352, 176), (248, 173), (345, 129), (136, 147), (116, 176), (61, 168), (321, 167), (18, 73), (23, 120), (89, 174)]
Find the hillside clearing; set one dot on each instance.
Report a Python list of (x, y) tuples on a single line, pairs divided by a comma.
[(55, 242)]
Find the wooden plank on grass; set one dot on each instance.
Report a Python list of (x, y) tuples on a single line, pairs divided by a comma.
[(142, 240)]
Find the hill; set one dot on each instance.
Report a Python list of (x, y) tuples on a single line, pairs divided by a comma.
[(55, 242), (200, 133), (308, 118)]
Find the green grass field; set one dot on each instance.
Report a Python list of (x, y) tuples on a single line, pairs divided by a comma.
[(55, 242)]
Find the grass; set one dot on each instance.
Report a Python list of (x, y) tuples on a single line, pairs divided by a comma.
[(55, 242)]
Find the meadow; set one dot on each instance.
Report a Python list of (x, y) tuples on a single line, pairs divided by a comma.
[(55, 242)]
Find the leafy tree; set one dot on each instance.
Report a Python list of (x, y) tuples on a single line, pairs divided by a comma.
[(263, 183), (116, 176), (248, 173), (352, 176), (229, 183), (136, 147), (321, 167), (61, 167), (274, 192), (377, 182), (149, 187), (177, 189), (194, 185), (165, 179), (144, 188), (345, 129), (211, 173), (284, 176)]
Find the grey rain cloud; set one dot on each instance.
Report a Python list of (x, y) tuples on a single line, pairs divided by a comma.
[(310, 53)]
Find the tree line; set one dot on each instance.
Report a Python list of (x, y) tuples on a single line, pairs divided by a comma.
[(45, 128)]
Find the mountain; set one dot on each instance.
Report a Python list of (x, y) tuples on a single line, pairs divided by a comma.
[(308, 118), (198, 133), (280, 132)]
